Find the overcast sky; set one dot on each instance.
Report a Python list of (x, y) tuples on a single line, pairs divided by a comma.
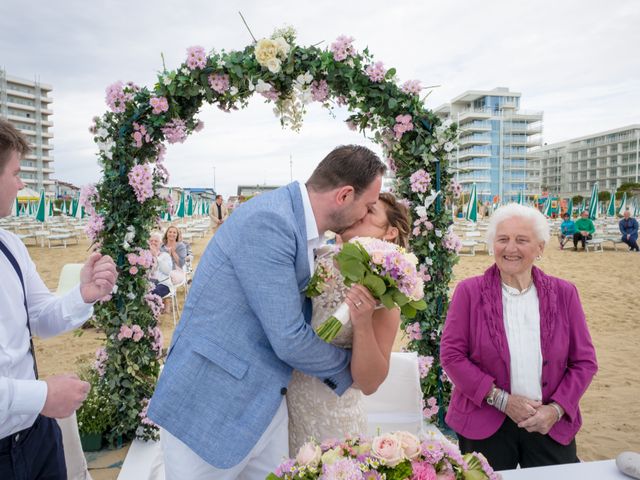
[(575, 60)]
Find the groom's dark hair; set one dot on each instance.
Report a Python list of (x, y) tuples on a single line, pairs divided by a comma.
[(11, 139), (346, 165)]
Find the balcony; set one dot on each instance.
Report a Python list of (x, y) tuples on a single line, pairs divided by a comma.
[(475, 139), (474, 152), (474, 115), (475, 126)]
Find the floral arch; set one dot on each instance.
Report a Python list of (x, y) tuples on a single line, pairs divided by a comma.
[(125, 205)]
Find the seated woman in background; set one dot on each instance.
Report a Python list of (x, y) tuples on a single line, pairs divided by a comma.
[(173, 245), (161, 270)]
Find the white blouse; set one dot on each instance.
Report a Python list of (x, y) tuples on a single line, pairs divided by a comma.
[(521, 314)]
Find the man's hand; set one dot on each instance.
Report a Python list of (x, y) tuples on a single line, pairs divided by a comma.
[(521, 408), (65, 394), (545, 418), (97, 277)]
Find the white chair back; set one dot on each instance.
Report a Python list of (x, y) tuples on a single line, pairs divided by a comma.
[(69, 277)]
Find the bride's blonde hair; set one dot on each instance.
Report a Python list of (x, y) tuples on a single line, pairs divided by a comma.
[(397, 216)]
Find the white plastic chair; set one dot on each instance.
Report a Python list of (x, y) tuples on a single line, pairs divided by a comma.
[(69, 277), (397, 404), (172, 295)]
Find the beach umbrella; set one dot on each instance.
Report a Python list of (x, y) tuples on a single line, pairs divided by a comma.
[(41, 213), (636, 207), (520, 200), (570, 207), (180, 212), (472, 206), (15, 209), (623, 204), (190, 207), (30, 209), (50, 209), (593, 202), (611, 209), (547, 207), (64, 207)]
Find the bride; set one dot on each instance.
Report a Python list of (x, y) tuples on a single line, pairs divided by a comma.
[(315, 411)]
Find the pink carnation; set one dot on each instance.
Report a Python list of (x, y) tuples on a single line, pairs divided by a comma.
[(159, 104), (411, 87), (420, 181), (117, 98), (431, 407), (219, 83), (319, 90), (141, 181), (125, 332), (94, 226), (137, 333), (414, 331), (424, 364), (342, 48), (403, 124), (423, 471), (196, 57), (376, 72)]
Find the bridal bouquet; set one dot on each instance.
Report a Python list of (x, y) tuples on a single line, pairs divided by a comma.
[(386, 269), (391, 456)]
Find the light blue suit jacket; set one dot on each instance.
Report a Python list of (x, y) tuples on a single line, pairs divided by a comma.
[(243, 330)]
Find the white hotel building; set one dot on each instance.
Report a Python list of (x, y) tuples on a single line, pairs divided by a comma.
[(27, 105), (610, 158)]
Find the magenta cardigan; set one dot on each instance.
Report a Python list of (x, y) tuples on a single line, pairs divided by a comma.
[(475, 353)]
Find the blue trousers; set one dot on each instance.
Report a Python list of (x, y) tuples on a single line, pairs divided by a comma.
[(632, 241), (34, 453)]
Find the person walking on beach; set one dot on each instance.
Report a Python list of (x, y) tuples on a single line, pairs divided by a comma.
[(30, 439)]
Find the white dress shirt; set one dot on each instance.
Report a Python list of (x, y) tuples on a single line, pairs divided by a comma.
[(521, 314), (314, 238), (22, 397)]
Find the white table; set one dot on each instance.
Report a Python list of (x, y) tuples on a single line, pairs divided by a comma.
[(601, 470)]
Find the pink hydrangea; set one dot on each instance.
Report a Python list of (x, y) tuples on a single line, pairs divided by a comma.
[(403, 124), (137, 333), (175, 131), (452, 242), (117, 98), (141, 181), (219, 82), (422, 225), (319, 90), (376, 72), (101, 360), (342, 48), (196, 57), (420, 181), (156, 334), (423, 471), (411, 87), (140, 134), (424, 364), (155, 304), (414, 331), (94, 226), (159, 104), (88, 197), (431, 407), (125, 332), (144, 258), (424, 273)]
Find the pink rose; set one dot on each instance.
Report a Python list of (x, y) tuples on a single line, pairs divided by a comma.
[(133, 270), (388, 449), (137, 333), (125, 332), (410, 444), (309, 454)]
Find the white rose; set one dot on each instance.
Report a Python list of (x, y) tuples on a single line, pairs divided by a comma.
[(448, 147), (262, 86), (412, 258), (410, 444), (282, 46), (233, 90), (265, 50), (273, 64), (309, 454)]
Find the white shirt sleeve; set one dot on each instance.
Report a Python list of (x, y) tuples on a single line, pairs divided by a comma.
[(21, 397)]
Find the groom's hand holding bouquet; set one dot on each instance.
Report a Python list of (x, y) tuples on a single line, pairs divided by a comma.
[(387, 270)]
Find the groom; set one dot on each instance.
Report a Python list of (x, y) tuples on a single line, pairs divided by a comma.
[(245, 326)]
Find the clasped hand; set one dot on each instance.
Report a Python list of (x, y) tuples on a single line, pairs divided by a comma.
[(531, 415)]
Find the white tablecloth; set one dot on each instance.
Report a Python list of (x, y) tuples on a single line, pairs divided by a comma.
[(602, 470)]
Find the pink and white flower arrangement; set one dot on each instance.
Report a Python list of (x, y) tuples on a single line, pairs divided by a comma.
[(411, 87), (403, 124), (420, 181), (342, 48), (141, 180), (391, 277), (319, 90), (390, 455), (159, 104), (175, 131), (196, 57), (117, 98), (219, 82), (376, 72)]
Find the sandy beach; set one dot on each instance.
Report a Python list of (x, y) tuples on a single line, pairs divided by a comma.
[(606, 282)]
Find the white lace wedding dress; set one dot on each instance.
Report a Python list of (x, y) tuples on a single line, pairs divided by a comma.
[(315, 411)]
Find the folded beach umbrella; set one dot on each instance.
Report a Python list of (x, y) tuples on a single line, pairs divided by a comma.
[(623, 204), (180, 212), (611, 209), (570, 207), (593, 202), (547, 207), (41, 213), (472, 206)]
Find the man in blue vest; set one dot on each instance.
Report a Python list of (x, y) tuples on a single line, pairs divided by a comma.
[(30, 439)]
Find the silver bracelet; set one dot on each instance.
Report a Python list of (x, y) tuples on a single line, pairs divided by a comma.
[(503, 401), (557, 409)]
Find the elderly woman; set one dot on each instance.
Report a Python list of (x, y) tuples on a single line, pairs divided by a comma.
[(517, 348)]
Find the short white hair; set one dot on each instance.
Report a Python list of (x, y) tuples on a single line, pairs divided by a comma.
[(156, 234), (512, 210)]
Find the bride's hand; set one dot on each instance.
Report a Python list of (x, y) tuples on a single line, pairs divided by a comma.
[(361, 306)]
